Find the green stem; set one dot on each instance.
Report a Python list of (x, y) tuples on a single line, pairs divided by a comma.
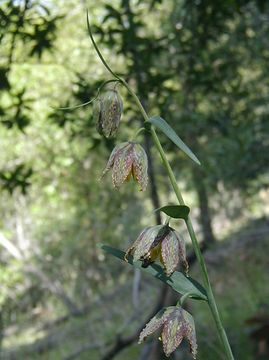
[(210, 296), (97, 49), (201, 261), (137, 133), (167, 221), (183, 298), (90, 101)]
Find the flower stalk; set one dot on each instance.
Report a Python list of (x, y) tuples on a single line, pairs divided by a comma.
[(210, 296), (199, 256)]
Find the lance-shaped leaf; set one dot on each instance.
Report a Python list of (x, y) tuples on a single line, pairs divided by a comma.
[(177, 281), (162, 125), (175, 211)]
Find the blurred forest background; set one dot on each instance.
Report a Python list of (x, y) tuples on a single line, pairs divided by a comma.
[(203, 66)]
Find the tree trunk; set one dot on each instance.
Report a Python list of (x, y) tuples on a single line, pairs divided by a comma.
[(205, 215), (152, 180)]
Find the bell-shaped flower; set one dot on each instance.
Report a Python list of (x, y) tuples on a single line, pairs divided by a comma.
[(107, 111), (176, 324), (128, 160), (163, 242)]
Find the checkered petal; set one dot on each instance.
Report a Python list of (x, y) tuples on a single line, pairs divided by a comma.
[(143, 244), (140, 166), (190, 333), (117, 151), (170, 252), (182, 250), (122, 165), (178, 325), (173, 333), (155, 323), (111, 108)]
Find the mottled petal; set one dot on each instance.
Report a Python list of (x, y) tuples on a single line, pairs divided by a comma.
[(96, 112), (140, 166), (143, 245), (162, 233), (128, 159), (170, 252), (173, 333), (115, 153), (155, 323), (111, 110), (122, 165), (135, 244), (178, 325), (190, 333), (182, 250)]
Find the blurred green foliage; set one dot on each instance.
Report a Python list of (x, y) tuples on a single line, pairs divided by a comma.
[(202, 66)]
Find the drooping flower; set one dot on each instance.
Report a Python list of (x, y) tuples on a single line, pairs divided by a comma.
[(107, 111), (176, 324), (160, 241), (128, 160)]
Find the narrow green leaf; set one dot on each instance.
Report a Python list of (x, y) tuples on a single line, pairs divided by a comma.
[(162, 125), (175, 211), (177, 281)]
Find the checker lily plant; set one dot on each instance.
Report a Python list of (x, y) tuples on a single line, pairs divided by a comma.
[(159, 242)]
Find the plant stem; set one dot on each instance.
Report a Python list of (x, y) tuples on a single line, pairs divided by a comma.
[(183, 298), (137, 133), (90, 101), (210, 296), (211, 299)]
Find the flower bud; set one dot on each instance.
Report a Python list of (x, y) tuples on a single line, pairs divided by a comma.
[(176, 324), (126, 160), (107, 112), (96, 113)]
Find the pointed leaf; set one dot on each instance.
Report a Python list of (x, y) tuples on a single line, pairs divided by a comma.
[(179, 282), (175, 211), (162, 125)]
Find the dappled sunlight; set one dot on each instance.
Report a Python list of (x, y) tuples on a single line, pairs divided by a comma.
[(120, 118)]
